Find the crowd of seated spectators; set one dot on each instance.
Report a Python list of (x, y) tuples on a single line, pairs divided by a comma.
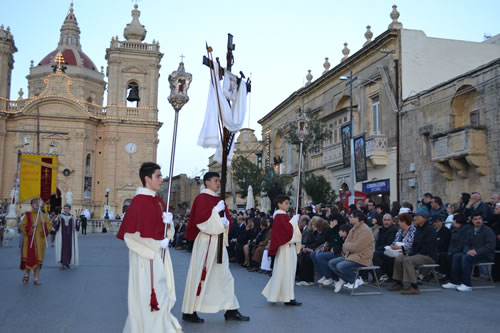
[(398, 239)]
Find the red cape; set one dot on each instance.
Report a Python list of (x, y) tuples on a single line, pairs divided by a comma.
[(200, 212), (144, 215), (281, 233)]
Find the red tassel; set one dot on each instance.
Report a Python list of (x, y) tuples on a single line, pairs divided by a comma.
[(154, 301)]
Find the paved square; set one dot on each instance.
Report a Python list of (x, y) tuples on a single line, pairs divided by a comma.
[(93, 298)]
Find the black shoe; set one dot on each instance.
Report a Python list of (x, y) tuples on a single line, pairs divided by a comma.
[(293, 303), (192, 318), (235, 315)]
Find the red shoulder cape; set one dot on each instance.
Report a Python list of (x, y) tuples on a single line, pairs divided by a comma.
[(144, 215), (200, 212), (281, 233)]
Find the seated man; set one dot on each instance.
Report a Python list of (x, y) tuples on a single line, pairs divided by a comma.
[(386, 236), (479, 247), (358, 251), (423, 251), (443, 236)]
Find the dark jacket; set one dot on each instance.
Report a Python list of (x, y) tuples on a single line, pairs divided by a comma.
[(457, 240), (483, 241), (385, 237), (308, 236), (482, 209), (443, 237), (334, 240), (441, 212), (425, 242)]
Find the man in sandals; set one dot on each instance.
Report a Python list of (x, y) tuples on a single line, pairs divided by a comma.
[(35, 227)]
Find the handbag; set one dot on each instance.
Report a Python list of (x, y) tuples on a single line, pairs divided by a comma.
[(392, 253)]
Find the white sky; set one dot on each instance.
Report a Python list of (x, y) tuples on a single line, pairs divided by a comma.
[(276, 40)]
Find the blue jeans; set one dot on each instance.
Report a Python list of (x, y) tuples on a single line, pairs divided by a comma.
[(461, 267), (320, 261), (343, 269)]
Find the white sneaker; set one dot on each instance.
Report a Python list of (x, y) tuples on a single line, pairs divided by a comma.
[(327, 282), (320, 281), (383, 278), (301, 283), (359, 282), (449, 285), (463, 287), (349, 285), (338, 285)]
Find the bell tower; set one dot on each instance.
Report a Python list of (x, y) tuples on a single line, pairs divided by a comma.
[(133, 73), (7, 50)]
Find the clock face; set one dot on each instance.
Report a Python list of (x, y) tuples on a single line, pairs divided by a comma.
[(131, 147)]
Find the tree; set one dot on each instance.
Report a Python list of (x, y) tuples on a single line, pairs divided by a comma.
[(272, 180), (318, 133), (246, 173), (319, 189)]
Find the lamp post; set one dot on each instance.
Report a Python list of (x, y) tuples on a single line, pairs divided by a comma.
[(350, 79), (302, 132), (106, 216), (179, 84)]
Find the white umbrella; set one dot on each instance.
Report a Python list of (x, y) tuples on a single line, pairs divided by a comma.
[(250, 198)]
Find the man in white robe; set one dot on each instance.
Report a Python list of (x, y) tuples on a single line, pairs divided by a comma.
[(285, 244), (151, 287), (209, 285)]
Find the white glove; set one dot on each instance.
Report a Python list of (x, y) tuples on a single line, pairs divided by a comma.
[(220, 206), (164, 243), (168, 218), (224, 221), (296, 217)]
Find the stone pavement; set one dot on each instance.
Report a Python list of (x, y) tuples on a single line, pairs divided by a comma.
[(93, 298)]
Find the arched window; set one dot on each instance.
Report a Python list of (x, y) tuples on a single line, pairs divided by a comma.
[(125, 205), (464, 109)]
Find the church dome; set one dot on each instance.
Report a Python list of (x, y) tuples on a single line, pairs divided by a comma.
[(69, 45), (72, 57)]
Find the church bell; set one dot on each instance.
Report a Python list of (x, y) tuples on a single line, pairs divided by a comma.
[(133, 95)]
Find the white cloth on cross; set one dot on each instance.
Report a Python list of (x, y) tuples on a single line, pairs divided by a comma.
[(233, 116)]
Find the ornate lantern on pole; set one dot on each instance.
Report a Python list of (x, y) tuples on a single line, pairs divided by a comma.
[(179, 84), (302, 132)]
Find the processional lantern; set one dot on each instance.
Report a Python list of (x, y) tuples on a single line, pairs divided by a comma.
[(302, 127), (179, 84)]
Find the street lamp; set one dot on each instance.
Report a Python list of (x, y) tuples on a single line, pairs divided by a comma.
[(350, 79), (106, 216), (302, 132)]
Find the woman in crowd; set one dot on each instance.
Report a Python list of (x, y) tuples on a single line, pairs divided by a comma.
[(305, 269), (245, 234), (405, 235), (253, 251), (332, 249)]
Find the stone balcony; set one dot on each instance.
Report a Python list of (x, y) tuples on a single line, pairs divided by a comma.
[(332, 155), (376, 150), (460, 149)]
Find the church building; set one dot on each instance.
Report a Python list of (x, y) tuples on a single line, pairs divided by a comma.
[(100, 145)]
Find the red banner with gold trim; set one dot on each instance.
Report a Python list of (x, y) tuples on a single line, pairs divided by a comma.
[(38, 176)]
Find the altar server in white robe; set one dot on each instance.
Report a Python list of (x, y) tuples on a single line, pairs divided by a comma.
[(209, 285), (285, 245), (151, 287)]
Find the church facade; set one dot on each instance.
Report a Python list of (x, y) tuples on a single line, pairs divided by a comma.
[(100, 146)]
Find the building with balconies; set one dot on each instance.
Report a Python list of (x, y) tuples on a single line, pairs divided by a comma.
[(389, 68), (452, 136)]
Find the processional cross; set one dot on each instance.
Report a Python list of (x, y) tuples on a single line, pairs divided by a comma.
[(227, 136)]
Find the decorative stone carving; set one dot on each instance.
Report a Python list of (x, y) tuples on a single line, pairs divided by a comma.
[(394, 16), (368, 35), (135, 31), (309, 77), (345, 52), (326, 66)]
